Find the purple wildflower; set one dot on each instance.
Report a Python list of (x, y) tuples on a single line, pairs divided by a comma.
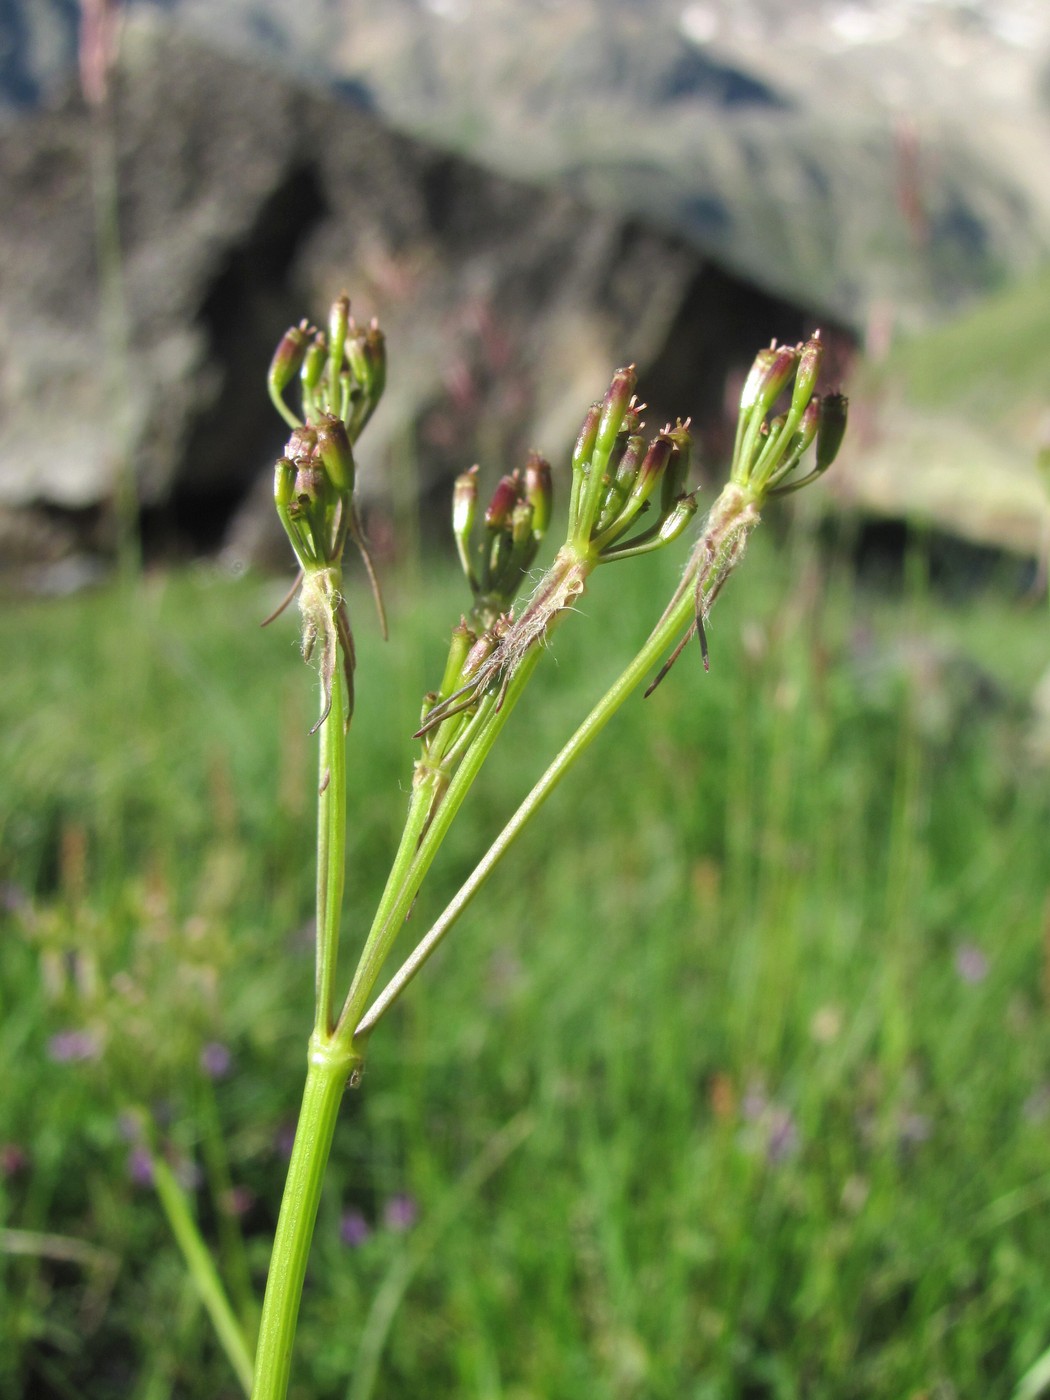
[(354, 1229), (237, 1201), (140, 1166), (70, 1047), (215, 1060), (400, 1213), (971, 963), (782, 1140), (13, 1159)]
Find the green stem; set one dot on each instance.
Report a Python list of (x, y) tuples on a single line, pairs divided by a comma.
[(411, 866), (331, 852), (677, 616), (329, 1068), (201, 1268)]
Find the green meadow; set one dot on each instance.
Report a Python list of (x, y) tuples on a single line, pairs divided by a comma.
[(734, 1081)]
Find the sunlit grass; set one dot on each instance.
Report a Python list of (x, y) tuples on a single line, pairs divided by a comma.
[(767, 980)]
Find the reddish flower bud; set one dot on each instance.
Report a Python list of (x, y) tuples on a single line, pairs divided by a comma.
[(588, 435), (302, 444), (333, 444), (808, 372), (539, 492), (288, 357), (504, 499), (614, 409)]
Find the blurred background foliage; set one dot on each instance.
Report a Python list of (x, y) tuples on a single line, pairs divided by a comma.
[(736, 1080)]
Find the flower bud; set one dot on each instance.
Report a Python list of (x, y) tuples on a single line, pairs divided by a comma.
[(678, 518), (375, 348), (333, 445), (283, 483), (311, 484), (366, 351), (287, 358), (463, 639), (338, 321), (521, 532), (677, 473), (313, 364), (539, 492), (808, 372), (772, 369), (301, 444), (832, 429), (614, 408), (588, 435), (806, 431), (504, 499), (618, 490), (654, 463), (464, 504)]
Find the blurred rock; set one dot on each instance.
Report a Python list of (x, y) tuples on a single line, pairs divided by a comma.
[(874, 165), (244, 201), (853, 155)]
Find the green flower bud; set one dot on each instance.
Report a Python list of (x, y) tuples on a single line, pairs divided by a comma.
[(832, 429), (366, 351), (806, 431), (654, 463), (333, 445), (463, 639), (808, 373), (618, 490), (338, 322), (614, 408), (375, 348), (678, 518), (464, 505), (539, 492), (521, 532), (288, 357), (283, 483), (587, 437), (677, 473), (780, 366), (313, 365)]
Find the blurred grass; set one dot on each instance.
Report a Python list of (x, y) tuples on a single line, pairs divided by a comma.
[(775, 1142)]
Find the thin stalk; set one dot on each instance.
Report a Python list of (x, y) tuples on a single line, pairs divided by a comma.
[(405, 887), (678, 615), (331, 851), (201, 1268), (329, 1068)]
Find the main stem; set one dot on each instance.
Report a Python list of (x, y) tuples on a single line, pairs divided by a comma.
[(331, 851), (329, 1068)]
